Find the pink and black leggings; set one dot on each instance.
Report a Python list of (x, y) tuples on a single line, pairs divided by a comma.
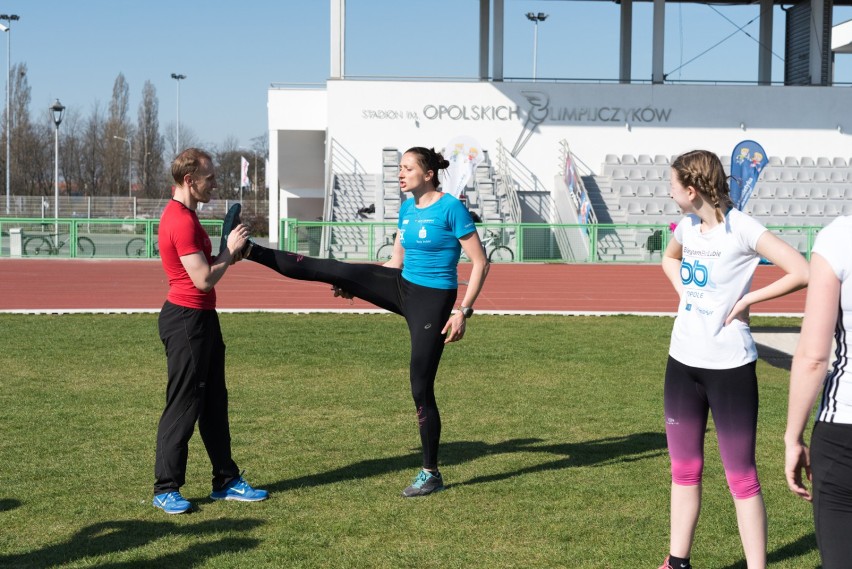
[(731, 394)]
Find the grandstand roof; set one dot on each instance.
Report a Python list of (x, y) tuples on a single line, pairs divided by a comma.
[(716, 2)]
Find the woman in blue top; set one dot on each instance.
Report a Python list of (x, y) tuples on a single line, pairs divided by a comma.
[(419, 282)]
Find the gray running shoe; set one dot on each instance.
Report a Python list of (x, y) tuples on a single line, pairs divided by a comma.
[(425, 483)]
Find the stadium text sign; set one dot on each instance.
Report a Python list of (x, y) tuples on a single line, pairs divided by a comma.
[(540, 111)]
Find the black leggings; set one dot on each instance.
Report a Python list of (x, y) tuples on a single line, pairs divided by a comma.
[(831, 464), (425, 309)]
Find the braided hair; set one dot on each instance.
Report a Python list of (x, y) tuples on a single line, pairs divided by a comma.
[(703, 170), (429, 159)]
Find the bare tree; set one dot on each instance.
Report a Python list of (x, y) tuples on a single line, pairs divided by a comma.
[(148, 147), (31, 161), (228, 162), (188, 139), (71, 153), (117, 131), (91, 153)]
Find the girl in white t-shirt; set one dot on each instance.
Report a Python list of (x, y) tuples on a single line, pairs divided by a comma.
[(712, 356), (828, 463)]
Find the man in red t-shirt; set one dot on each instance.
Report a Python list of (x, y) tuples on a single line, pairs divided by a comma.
[(195, 352)]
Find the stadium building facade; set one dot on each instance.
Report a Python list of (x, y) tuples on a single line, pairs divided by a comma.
[(349, 126)]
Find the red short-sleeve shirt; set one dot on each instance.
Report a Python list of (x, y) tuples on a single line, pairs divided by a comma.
[(181, 234)]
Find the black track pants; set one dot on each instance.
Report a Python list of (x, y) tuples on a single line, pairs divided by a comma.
[(831, 466), (425, 309), (195, 355)]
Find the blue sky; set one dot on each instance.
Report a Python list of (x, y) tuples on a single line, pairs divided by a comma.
[(232, 51)]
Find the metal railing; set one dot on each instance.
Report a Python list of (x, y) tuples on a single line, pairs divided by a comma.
[(69, 238), (530, 242), (118, 207)]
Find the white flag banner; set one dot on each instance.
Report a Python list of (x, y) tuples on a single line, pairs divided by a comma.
[(463, 154), (244, 177), (266, 183)]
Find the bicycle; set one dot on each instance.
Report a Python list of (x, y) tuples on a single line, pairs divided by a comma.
[(492, 242), (385, 251), (51, 244), (138, 247)]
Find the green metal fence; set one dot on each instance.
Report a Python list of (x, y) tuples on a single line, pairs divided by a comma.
[(92, 238), (362, 241), (521, 242)]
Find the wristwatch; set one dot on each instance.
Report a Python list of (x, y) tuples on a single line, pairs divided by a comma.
[(466, 311)]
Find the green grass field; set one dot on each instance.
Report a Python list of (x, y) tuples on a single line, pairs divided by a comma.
[(553, 448)]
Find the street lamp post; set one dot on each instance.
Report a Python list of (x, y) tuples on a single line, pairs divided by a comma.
[(129, 165), (58, 110), (9, 18), (178, 77), (535, 19)]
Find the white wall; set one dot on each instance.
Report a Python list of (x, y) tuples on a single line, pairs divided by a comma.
[(303, 112), (596, 120)]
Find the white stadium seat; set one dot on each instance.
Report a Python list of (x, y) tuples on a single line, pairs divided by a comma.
[(671, 208), (818, 192), (770, 175), (831, 210), (800, 193), (635, 208), (835, 193)]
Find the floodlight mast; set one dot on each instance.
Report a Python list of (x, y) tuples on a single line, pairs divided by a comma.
[(178, 77), (8, 29), (535, 19)]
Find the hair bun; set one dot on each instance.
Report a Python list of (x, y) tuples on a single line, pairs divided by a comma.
[(443, 164)]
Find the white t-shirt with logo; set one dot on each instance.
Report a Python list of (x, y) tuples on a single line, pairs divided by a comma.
[(716, 271), (832, 244)]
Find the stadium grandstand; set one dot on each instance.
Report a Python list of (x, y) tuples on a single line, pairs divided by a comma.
[(560, 169)]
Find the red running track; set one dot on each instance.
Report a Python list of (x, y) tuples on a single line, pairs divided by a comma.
[(130, 285)]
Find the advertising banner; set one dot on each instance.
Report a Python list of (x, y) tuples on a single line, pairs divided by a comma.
[(747, 161)]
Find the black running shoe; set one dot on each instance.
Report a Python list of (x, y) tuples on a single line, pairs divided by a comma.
[(425, 483), (232, 219)]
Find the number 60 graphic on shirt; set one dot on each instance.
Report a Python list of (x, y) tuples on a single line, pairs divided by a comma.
[(693, 273)]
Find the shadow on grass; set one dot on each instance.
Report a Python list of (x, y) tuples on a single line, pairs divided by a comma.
[(775, 358), (798, 548), (7, 504), (112, 537), (614, 449), (610, 450), (772, 356)]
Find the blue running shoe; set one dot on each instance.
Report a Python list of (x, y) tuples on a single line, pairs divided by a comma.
[(240, 490), (172, 503), (425, 483)]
